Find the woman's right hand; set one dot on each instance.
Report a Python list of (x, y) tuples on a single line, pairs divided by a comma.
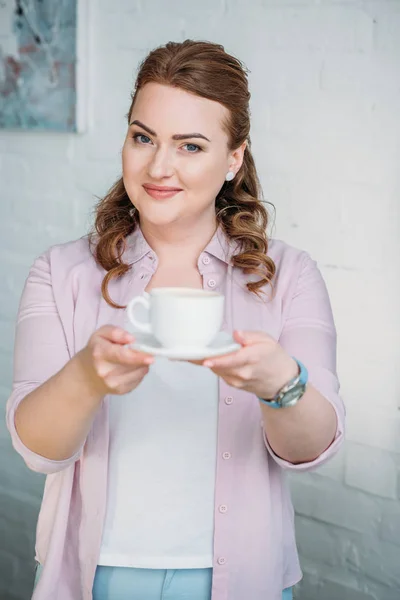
[(111, 367)]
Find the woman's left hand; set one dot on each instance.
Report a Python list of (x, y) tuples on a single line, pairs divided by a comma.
[(261, 366)]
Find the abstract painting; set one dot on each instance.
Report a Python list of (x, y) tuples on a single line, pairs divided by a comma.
[(38, 64)]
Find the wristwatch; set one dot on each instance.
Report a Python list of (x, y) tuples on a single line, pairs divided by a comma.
[(291, 393)]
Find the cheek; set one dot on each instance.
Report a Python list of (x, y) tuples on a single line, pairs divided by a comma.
[(131, 162), (205, 174), (125, 161)]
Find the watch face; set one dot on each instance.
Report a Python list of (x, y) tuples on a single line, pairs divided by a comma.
[(292, 396)]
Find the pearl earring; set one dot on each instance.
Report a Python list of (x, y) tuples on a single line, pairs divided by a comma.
[(229, 176)]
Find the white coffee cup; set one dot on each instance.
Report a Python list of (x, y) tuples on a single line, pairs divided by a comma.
[(180, 317)]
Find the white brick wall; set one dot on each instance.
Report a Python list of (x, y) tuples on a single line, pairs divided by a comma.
[(325, 78)]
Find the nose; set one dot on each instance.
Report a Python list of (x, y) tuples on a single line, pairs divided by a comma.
[(161, 164)]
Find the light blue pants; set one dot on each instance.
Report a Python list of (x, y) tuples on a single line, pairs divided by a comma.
[(119, 583)]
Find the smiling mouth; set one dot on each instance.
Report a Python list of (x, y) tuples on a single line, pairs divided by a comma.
[(161, 188), (160, 192)]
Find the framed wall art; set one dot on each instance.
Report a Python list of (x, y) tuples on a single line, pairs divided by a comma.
[(43, 49)]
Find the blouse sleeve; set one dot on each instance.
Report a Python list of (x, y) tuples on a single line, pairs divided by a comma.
[(40, 351), (309, 335)]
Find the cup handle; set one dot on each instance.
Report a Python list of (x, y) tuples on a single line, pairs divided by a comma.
[(139, 300)]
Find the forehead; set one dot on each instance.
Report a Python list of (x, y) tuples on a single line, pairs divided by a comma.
[(168, 110)]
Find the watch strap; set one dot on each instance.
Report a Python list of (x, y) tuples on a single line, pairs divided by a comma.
[(299, 382)]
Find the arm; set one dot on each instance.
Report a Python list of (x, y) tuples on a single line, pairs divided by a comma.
[(54, 419), (307, 434), (304, 432), (55, 397), (48, 425)]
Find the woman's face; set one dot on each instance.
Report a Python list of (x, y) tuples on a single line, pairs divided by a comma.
[(176, 156)]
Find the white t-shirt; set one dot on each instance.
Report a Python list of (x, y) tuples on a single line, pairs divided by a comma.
[(162, 467)]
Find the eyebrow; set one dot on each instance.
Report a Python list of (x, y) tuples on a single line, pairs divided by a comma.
[(177, 136)]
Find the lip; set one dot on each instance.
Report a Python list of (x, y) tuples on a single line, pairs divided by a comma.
[(161, 191), (161, 188)]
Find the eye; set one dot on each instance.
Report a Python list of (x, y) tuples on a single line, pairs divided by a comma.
[(192, 148), (141, 138)]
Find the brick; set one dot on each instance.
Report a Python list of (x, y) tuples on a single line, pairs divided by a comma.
[(325, 93), (331, 552), (11, 561), (334, 468), (371, 470), (390, 524), (46, 177), (6, 335), (16, 581), (387, 26), (6, 368), (9, 300), (47, 146), (316, 210), (353, 74), (332, 29), (320, 581), (89, 180), (378, 429), (16, 476), (329, 502), (41, 237), (21, 508), (383, 592), (145, 36), (318, 541), (53, 205), (378, 560), (332, 591), (13, 273)]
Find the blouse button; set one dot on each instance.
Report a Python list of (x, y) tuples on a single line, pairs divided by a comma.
[(228, 400), (212, 283), (221, 560), (223, 508), (206, 260), (226, 455)]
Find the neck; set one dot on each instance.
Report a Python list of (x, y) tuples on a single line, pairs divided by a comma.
[(178, 244)]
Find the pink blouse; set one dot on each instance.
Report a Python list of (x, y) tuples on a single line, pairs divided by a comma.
[(255, 552)]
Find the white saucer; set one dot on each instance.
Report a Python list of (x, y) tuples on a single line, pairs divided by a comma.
[(223, 343)]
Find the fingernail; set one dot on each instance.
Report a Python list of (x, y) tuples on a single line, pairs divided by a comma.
[(208, 363)]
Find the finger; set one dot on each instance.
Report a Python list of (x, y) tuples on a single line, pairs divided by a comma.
[(243, 374), (125, 384), (123, 355), (130, 356), (119, 370), (248, 338), (235, 360), (117, 335)]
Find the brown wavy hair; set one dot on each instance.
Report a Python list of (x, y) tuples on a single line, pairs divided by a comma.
[(204, 69)]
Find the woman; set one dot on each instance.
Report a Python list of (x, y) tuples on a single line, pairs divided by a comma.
[(166, 479)]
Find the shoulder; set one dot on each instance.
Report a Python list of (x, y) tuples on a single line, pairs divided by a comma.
[(71, 253), (65, 262), (287, 258), (67, 257), (296, 271)]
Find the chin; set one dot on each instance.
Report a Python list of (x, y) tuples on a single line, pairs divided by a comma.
[(160, 218)]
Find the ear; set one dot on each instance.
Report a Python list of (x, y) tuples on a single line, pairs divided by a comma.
[(236, 157)]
